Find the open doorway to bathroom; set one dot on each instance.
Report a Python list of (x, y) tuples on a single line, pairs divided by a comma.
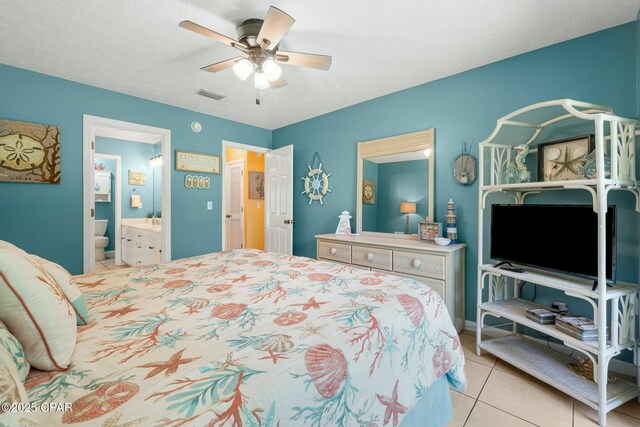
[(243, 196), (136, 185), (126, 194), (108, 211)]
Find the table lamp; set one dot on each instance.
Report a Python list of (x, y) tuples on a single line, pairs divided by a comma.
[(407, 208)]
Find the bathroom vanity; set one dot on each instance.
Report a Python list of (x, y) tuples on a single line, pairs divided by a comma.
[(141, 242)]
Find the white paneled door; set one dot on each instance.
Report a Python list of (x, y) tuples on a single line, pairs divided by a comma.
[(279, 200), (235, 205)]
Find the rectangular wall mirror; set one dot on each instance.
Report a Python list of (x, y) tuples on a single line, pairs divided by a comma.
[(395, 184)]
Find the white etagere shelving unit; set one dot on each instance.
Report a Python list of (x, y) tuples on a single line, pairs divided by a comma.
[(620, 304)]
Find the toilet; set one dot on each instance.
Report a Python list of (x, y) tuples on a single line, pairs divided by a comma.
[(100, 239)]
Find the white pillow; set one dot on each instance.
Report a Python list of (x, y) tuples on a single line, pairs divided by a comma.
[(36, 311), (73, 293), (7, 245), (63, 279)]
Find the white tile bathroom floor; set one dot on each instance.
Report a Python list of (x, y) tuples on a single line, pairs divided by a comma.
[(106, 265), (501, 395)]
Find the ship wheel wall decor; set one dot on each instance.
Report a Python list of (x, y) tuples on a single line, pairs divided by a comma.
[(316, 182)]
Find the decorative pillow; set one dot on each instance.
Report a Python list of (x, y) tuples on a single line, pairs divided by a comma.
[(73, 293), (11, 388), (6, 245), (36, 311), (12, 347)]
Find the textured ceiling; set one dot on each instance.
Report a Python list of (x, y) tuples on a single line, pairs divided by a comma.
[(378, 46)]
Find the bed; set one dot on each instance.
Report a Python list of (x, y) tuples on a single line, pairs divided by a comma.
[(251, 338)]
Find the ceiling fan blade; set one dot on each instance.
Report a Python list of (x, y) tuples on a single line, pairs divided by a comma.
[(322, 62), (222, 65), (281, 82), (203, 31), (275, 26)]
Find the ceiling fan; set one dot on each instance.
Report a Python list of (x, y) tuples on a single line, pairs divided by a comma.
[(259, 40)]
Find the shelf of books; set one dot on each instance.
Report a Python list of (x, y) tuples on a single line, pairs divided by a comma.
[(576, 332)]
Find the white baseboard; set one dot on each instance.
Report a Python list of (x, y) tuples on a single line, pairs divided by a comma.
[(617, 366)]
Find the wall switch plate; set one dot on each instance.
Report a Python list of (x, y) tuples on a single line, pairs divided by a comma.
[(209, 206), (258, 205)]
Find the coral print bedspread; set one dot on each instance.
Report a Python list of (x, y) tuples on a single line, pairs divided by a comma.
[(248, 338)]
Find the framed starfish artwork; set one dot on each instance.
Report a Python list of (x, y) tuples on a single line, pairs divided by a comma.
[(564, 160)]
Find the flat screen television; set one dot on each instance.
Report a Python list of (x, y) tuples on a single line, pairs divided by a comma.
[(562, 238)]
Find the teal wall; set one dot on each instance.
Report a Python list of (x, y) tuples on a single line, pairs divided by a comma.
[(106, 210), (135, 156), (399, 182), (46, 219), (599, 68)]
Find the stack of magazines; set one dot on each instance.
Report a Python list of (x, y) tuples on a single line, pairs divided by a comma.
[(578, 327), (541, 315)]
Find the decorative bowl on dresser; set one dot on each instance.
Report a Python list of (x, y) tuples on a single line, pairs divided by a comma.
[(439, 267)]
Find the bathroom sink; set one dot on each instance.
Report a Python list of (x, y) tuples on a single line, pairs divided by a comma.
[(142, 225)]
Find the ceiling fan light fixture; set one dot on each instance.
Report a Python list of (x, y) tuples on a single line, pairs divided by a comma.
[(261, 81), (272, 70), (243, 69)]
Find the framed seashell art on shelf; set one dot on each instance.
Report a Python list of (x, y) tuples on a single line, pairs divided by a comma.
[(29, 152)]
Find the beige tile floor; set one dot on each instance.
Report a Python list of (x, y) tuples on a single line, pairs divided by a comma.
[(106, 265), (500, 395)]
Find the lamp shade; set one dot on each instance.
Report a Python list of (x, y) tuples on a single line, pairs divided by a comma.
[(407, 207), (272, 70), (243, 68), (261, 81)]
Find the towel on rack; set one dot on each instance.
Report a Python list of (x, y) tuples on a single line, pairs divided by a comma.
[(135, 201)]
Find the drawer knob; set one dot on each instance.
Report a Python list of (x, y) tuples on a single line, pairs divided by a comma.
[(333, 251), (369, 256), (416, 263)]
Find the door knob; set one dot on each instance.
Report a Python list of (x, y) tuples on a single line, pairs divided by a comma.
[(289, 221), (227, 216), (369, 256), (416, 263)]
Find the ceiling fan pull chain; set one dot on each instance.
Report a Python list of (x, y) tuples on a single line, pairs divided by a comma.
[(257, 96)]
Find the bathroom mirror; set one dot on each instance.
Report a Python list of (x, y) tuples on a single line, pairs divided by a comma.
[(395, 182)]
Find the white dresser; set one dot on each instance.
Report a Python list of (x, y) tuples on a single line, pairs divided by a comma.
[(439, 267)]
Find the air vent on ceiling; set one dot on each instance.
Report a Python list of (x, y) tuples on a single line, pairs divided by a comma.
[(211, 95)]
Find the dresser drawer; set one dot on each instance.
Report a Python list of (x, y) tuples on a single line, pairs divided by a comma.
[(436, 285), (334, 251), (371, 257), (427, 265)]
